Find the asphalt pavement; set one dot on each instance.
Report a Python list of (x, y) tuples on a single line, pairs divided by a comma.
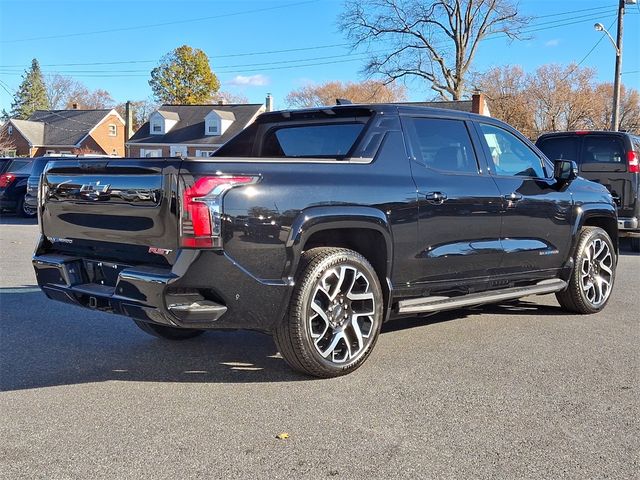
[(520, 390)]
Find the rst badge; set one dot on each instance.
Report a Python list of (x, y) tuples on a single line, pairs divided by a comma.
[(160, 251)]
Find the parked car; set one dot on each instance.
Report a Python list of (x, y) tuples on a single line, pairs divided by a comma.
[(13, 186), (384, 211), (31, 196), (609, 158)]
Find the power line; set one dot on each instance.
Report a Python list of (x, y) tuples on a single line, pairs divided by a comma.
[(163, 24), (231, 55)]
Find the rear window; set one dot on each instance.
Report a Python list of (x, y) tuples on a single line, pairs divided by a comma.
[(601, 149), (311, 141), (560, 148), (20, 166)]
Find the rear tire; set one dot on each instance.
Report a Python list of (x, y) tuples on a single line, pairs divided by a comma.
[(335, 314), (23, 211), (593, 273), (169, 333)]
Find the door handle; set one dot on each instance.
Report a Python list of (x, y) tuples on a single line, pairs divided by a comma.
[(437, 198), (513, 196)]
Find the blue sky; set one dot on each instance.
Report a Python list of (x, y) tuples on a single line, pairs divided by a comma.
[(236, 35)]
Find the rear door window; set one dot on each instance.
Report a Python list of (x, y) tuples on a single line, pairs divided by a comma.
[(560, 148), (602, 153), (311, 141), (443, 144)]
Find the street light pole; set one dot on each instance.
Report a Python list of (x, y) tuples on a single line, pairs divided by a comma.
[(615, 117)]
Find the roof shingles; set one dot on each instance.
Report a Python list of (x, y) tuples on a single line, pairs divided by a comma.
[(190, 128), (60, 127)]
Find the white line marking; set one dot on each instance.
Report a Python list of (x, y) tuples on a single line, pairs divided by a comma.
[(19, 290)]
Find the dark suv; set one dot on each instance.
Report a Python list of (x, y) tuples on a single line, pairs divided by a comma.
[(13, 185), (31, 197), (609, 158)]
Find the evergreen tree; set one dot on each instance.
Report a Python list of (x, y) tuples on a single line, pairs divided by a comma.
[(31, 94)]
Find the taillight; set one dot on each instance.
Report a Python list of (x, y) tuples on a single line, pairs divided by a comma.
[(200, 220), (6, 179), (632, 162)]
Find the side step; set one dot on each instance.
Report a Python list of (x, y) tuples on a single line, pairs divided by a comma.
[(436, 304)]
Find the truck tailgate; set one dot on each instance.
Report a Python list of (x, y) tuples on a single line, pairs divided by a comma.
[(112, 208)]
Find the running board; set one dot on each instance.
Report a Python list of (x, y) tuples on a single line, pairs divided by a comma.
[(436, 304)]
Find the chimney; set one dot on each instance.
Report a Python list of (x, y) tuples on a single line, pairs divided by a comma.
[(269, 103), (479, 104), (128, 121), (74, 106)]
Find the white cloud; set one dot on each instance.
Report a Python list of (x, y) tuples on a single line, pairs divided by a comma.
[(250, 81), (552, 43)]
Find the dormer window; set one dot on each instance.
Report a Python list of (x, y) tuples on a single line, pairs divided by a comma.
[(10, 129), (161, 122), (217, 121)]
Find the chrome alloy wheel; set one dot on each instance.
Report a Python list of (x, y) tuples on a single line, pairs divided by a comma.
[(596, 272), (341, 314)]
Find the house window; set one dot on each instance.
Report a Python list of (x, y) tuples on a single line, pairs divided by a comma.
[(204, 153), (113, 130), (10, 130), (213, 128), (148, 152), (157, 128)]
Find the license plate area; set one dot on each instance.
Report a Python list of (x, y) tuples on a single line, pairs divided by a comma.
[(101, 273)]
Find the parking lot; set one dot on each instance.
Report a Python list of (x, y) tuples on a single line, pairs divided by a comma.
[(519, 390)]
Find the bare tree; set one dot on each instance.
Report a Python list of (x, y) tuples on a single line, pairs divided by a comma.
[(228, 97), (59, 88), (434, 40), (369, 91), (507, 89), (600, 118)]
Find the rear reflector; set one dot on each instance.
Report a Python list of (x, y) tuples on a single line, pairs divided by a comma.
[(633, 162), (200, 220)]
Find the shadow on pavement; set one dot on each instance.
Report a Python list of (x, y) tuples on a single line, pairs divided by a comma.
[(12, 219), (45, 343)]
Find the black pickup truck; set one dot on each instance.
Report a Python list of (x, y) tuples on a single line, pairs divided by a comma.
[(319, 225)]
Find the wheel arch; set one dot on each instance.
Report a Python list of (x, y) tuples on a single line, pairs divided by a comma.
[(604, 219), (364, 230)]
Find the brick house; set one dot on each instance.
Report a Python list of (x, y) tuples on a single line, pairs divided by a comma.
[(67, 131), (191, 130)]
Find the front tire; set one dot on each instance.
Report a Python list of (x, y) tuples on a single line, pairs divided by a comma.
[(335, 314), (593, 273), (168, 333)]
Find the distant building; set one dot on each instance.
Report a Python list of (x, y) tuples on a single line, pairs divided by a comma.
[(67, 131), (191, 130)]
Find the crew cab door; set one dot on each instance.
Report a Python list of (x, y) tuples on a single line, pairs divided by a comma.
[(536, 214), (458, 204)]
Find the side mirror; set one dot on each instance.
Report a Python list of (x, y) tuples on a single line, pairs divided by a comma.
[(565, 171)]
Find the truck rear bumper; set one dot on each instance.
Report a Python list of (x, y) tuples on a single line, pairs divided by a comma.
[(178, 296), (628, 227)]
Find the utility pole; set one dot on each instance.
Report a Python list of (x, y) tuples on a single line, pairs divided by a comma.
[(615, 117)]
